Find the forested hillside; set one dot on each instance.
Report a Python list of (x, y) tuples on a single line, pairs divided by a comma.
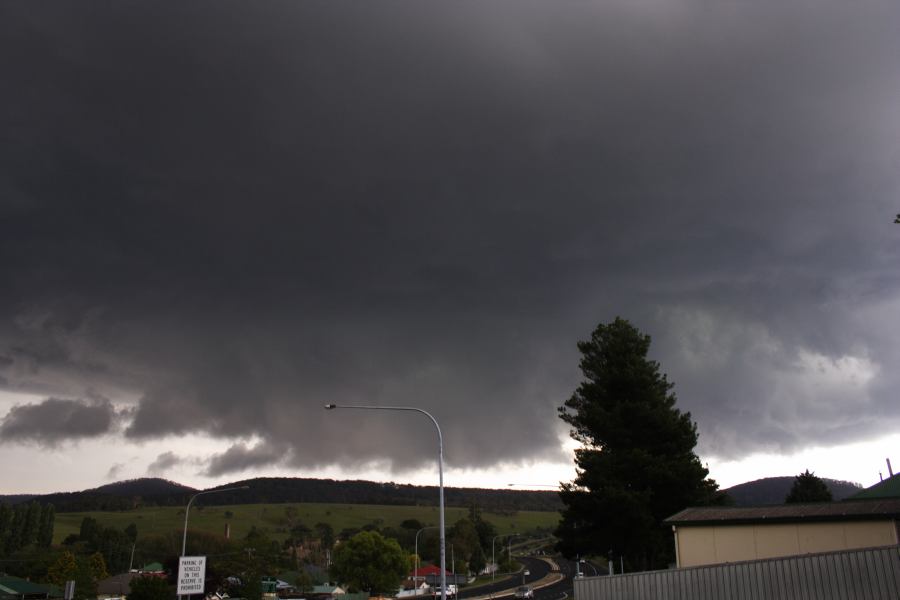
[(773, 490), (158, 492)]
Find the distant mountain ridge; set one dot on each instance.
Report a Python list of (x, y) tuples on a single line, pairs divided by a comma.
[(134, 493), (773, 490), (121, 495), (17, 498), (145, 486)]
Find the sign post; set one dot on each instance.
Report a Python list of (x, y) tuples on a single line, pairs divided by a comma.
[(191, 575)]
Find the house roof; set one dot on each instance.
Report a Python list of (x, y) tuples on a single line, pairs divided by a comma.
[(428, 570), (18, 586), (859, 510), (327, 589), (117, 585), (889, 488)]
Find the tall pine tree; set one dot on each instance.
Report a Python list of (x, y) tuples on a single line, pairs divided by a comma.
[(636, 465), (808, 488), (45, 531)]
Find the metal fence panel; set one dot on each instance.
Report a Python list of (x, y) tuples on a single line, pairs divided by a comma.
[(869, 574)]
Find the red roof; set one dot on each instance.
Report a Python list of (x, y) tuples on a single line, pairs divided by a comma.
[(428, 570)]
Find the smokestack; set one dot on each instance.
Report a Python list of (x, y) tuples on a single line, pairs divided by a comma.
[(890, 470)]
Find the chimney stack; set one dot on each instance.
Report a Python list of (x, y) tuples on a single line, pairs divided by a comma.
[(890, 470)]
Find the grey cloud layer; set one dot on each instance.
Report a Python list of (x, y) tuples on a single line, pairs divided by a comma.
[(56, 420), (163, 463), (234, 214)]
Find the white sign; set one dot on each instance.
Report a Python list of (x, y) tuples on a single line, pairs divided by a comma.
[(191, 574)]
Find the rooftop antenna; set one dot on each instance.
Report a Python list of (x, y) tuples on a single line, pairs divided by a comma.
[(890, 470)]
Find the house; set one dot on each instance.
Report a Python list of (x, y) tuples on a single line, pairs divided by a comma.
[(325, 592), (716, 535), (153, 568), (117, 586), (411, 589), (16, 588), (431, 574)]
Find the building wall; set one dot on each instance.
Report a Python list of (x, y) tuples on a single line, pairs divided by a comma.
[(872, 574), (708, 545)]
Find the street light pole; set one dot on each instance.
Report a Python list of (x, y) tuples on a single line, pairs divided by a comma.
[(187, 511), (509, 548), (440, 474)]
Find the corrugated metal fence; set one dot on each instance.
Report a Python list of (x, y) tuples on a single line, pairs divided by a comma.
[(870, 574)]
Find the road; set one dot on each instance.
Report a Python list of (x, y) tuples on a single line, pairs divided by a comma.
[(540, 577), (563, 588)]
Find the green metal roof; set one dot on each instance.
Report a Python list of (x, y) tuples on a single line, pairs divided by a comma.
[(889, 488), (18, 586)]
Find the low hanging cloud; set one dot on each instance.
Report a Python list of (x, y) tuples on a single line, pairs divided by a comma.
[(56, 420), (115, 471), (163, 463), (241, 457)]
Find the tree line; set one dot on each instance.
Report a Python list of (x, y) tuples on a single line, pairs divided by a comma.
[(25, 525), (273, 490)]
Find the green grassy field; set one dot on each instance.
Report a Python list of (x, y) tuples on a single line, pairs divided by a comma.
[(271, 518)]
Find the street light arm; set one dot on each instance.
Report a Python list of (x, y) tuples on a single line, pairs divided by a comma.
[(407, 408), (440, 472)]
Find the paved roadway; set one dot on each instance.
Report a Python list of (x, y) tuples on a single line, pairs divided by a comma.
[(548, 585)]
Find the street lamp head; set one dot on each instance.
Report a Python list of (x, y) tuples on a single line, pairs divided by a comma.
[(330, 406)]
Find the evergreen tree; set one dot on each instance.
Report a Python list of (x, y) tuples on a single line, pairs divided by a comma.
[(637, 464), (14, 537), (325, 533), (89, 530), (32, 524), (808, 488), (6, 517), (45, 532)]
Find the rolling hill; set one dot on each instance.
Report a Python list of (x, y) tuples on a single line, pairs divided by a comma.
[(154, 492), (772, 490)]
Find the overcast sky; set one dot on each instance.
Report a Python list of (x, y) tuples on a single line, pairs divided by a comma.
[(216, 217)]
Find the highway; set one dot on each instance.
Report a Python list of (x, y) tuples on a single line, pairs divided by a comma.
[(547, 584)]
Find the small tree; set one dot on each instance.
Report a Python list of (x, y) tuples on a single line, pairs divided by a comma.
[(63, 570), (97, 567), (370, 563), (808, 488)]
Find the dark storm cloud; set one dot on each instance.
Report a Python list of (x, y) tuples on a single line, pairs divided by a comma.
[(228, 215), (241, 457), (57, 420)]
